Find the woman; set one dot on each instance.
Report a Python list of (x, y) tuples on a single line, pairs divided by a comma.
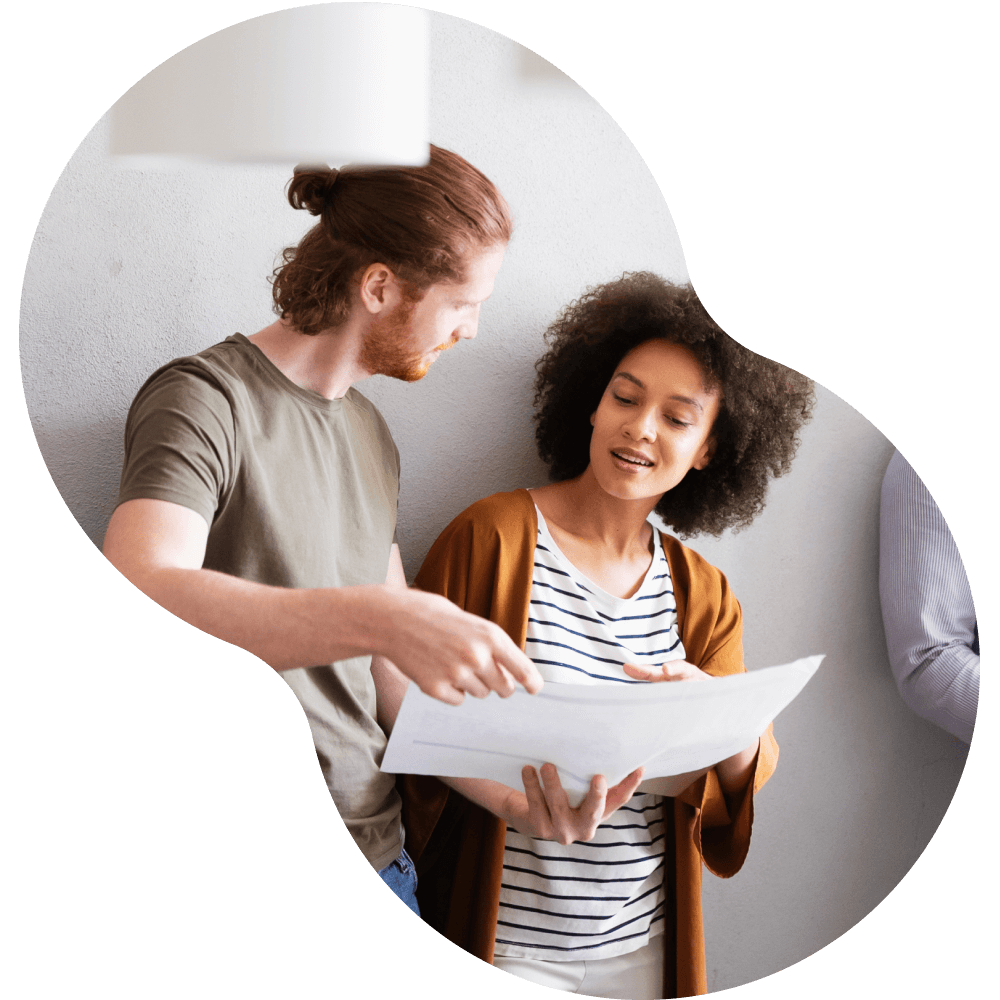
[(644, 405)]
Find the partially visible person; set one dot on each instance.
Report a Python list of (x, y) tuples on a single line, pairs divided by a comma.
[(259, 490), (644, 405), (930, 620)]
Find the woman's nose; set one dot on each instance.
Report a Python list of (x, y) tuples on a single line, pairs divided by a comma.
[(642, 425)]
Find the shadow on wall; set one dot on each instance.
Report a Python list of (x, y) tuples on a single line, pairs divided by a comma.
[(85, 462)]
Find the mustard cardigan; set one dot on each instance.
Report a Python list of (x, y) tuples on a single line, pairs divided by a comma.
[(483, 562)]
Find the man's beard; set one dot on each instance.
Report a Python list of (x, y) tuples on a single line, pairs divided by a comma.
[(386, 349)]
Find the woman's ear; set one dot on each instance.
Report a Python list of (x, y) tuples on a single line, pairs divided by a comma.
[(705, 455)]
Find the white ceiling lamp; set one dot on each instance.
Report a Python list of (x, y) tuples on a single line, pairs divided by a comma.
[(333, 83)]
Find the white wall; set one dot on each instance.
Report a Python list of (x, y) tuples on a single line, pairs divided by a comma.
[(130, 269)]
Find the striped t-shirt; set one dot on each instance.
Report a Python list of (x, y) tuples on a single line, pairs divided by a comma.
[(606, 897)]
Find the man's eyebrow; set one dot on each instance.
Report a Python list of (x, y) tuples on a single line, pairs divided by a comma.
[(679, 399)]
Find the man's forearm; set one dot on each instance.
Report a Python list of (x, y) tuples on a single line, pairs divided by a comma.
[(285, 627), (160, 547), (941, 685)]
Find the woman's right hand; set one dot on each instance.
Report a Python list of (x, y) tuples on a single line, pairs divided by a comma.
[(544, 812), (672, 670)]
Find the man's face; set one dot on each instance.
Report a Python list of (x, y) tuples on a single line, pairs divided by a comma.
[(405, 342)]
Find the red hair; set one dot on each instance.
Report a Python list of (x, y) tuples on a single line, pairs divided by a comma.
[(422, 222)]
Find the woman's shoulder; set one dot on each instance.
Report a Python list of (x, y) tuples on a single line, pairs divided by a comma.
[(493, 534), (677, 550), (690, 568), (508, 513), (497, 504)]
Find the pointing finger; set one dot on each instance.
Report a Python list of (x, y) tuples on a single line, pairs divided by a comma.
[(520, 667), (497, 679), (470, 683)]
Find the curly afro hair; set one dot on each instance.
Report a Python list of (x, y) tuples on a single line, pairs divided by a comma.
[(762, 407)]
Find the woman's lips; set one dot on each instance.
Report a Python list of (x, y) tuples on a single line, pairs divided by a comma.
[(630, 461)]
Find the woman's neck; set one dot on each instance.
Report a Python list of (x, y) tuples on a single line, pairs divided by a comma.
[(580, 507), (608, 539)]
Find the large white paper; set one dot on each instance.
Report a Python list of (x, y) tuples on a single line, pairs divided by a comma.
[(670, 728)]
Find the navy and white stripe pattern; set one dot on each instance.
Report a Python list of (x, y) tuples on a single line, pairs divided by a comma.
[(605, 897), (578, 634)]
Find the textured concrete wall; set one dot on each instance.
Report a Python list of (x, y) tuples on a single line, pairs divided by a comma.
[(130, 269)]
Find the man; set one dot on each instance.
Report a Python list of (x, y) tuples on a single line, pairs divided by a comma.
[(930, 620), (259, 489)]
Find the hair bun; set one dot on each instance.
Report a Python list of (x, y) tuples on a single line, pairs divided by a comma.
[(311, 186)]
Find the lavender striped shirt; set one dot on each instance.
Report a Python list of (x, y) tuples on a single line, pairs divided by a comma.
[(927, 609)]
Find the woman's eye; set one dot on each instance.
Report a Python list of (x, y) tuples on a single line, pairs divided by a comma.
[(675, 421), (623, 399)]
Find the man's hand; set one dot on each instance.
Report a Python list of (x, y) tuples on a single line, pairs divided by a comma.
[(672, 670), (444, 650), (544, 812), (449, 653)]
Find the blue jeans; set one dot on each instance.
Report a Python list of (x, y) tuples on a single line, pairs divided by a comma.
[(401, 877)]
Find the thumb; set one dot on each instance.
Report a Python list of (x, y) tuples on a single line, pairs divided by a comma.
[(643, 673), (623, 791), (593, 803)]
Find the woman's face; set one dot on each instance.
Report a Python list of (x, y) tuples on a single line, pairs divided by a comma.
[(653, 423)]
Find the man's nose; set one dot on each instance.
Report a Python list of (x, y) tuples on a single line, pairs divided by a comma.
[(468, 329)]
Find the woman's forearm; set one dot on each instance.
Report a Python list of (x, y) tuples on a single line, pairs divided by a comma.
[(735, 772), (494, 797), (542, 810)]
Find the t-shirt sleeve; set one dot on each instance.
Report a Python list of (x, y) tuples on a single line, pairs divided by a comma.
[(179, 440)]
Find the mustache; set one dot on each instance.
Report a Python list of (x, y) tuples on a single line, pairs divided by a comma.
[(447, 346)]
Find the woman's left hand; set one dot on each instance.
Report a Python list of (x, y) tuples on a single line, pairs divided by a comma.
[(672, 670), (734, 772)]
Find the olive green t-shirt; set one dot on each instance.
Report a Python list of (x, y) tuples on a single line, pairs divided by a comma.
[(298, 491)]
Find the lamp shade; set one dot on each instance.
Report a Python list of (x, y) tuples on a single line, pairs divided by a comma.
[(332, 83)]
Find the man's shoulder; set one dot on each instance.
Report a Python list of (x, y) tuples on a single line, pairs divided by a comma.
[(372, 416), (210, 371), (365, 406), (218, 364)]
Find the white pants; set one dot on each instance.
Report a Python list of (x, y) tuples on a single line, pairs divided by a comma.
[(637, 975)]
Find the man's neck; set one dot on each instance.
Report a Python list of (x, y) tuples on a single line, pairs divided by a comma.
[(325, 363)]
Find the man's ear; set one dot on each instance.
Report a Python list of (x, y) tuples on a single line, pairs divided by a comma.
[(379, 290)]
